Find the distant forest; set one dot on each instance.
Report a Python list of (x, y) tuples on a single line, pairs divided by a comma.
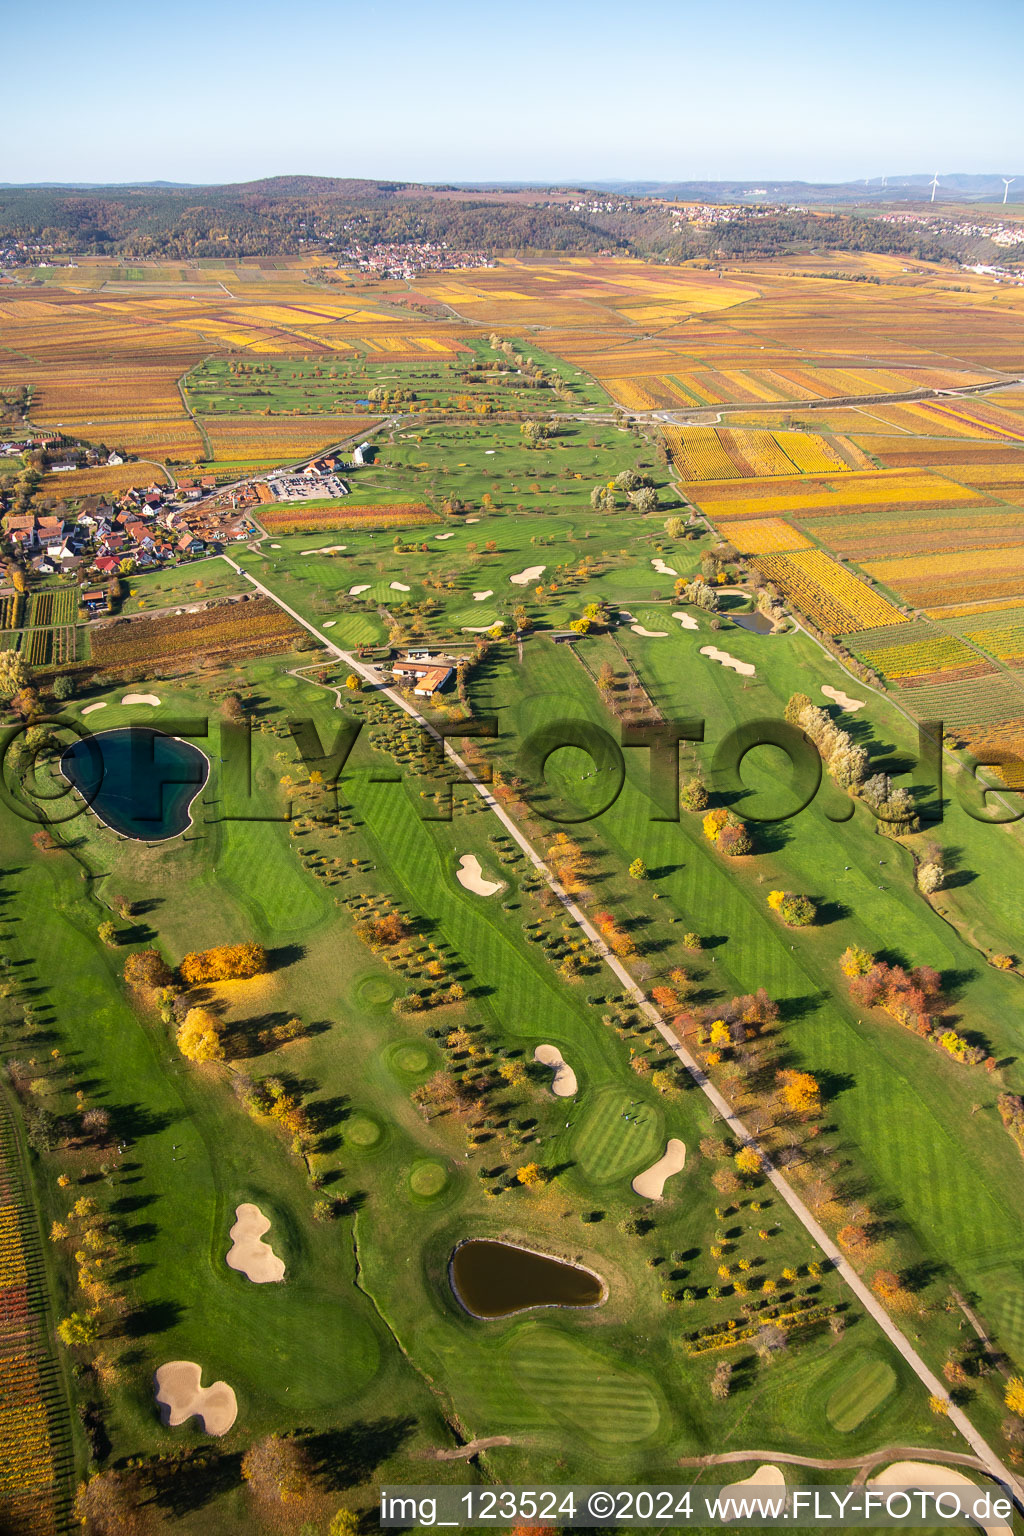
[(288, 215)]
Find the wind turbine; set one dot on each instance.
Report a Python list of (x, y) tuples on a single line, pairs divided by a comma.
[(934, 184), (1007, 184)]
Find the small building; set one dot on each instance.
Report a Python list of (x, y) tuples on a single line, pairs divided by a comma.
[(93, 600), (427, 677)]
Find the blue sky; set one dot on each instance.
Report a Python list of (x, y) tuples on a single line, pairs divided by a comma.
[(444, 89)]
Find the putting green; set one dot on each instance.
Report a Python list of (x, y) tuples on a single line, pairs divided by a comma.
[(580, 1387), (362, 1131), (607, 1146), (860, 1394), (375, 992), (411, 1060), (427, 1180)]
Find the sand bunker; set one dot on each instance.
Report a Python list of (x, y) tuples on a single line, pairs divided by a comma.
[(248, 1252), (399, 586), (663, 569), (842, 699), (141, 698), (479, 597), (180, 1396), (925, 1476), (650, 634), (277, 546), (651, 1182), (330, 623), (563, 1084), (687, 620), (745, 668), (89, 708), (471, 876), (768, 1475), (444, 535), (325, 549), (530, 574), (472, 519), (478, 629), (355, 591)]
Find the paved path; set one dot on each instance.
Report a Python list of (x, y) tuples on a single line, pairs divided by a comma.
[(872, 1306), (864, 1463)]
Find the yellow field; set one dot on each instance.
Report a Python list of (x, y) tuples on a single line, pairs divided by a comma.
[(854, 491), (911, 567), (829, 594), (766, 536), (811, 454)]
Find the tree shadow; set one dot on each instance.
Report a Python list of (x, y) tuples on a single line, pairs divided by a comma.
[(153, 1317), (284, 955), (344, 1458), (830, 911), (181, 1489)]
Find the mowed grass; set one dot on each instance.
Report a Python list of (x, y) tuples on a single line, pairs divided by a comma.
[(901, 1110), (609, 1148), (865, 1389), (580, 1388)]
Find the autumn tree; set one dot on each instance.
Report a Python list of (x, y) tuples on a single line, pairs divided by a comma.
[(79, 1330), (14, 674), (344, 1523), (890, 1290), (276, 1469), (799, 1091), (225, 962), (199, 1036), (531, 1175), (147, 968)]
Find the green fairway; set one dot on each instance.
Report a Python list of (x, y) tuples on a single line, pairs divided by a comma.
[(611, 1148), (578, 1387), (867, 1386)]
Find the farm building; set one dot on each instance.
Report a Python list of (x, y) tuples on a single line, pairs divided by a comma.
[(428, 677)]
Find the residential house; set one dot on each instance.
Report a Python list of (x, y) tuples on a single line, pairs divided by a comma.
[(427, 677), (114, 458), (106, 565)]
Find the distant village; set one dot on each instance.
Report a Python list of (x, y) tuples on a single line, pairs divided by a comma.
[(154, 525)]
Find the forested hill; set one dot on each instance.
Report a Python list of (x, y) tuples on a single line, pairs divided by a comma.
[(283, 216), (290, 214)]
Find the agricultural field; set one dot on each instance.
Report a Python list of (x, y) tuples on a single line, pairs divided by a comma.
[(309, 517), (831, 596), (35, 1421), (331, 993), (245, 626)]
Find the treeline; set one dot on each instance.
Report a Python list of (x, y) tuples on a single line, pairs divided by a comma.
[(289, 215), (651, 232), (261, 219)]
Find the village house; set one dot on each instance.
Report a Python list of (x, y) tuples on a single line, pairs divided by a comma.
[(427, 676)]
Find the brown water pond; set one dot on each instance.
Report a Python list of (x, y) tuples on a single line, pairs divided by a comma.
[(492, 1279)]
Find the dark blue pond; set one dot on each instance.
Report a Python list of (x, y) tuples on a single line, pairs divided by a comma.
[(137, 780)]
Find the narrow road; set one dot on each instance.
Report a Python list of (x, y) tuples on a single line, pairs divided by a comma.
[(872, 1306), (865, 1462)]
